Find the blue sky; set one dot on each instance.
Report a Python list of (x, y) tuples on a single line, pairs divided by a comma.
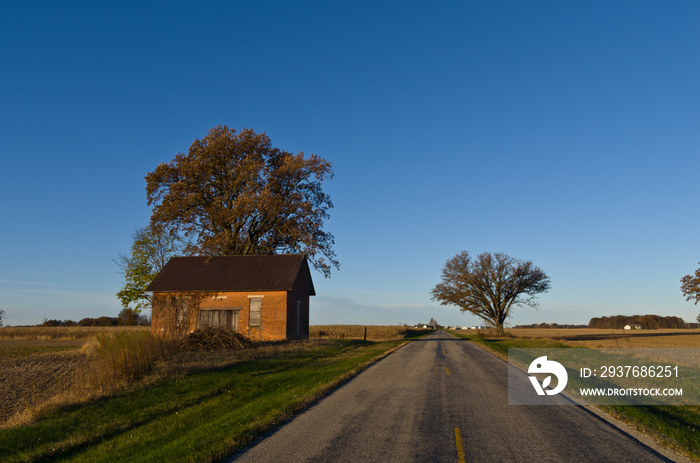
[(558, 132)]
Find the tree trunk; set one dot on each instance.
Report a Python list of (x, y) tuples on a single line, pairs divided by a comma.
[(499, 330)]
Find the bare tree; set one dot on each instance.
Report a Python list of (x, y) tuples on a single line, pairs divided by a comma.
[(490, 285)]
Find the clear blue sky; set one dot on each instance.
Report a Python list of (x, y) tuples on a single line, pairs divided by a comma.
[(566, 133)]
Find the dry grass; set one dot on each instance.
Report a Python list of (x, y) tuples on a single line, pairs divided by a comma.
[(189, 362), (117, 359), (374, 332)]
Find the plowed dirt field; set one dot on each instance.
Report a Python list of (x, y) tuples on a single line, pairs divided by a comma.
[(34, 371)]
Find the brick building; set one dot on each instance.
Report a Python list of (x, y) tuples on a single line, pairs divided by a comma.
[(262, 297)]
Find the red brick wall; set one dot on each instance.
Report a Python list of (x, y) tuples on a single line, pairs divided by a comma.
[(172, 314), (173, 318)]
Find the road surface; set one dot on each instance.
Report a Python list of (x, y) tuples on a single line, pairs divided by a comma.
[(441, 399)]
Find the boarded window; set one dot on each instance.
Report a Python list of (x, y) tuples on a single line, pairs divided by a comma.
[(255, 310), (219, 318), (181, 312)]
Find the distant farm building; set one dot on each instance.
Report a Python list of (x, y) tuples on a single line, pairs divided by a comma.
[(633, 327), (262, 297)]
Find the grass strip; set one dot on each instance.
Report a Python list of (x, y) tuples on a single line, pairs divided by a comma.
[(501, 346), (198, 417), (676, 427)]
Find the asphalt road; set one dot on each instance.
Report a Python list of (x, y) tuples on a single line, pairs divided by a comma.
[(442, 399)]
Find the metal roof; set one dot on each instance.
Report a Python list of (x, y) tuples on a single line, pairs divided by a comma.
[(232, 273)]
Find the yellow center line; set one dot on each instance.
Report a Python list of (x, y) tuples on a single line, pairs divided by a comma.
[(461, 458), (448, 371)]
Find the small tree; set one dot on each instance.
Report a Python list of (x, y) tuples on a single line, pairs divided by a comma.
[(690, 285), (150, 252), (490, 285), (128, 317)]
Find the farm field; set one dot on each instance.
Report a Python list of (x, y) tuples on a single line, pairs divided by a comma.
[(43, 364), (39, 364), (597, 338), (194, 406), (374, 332), (45, 333), (30, 376)]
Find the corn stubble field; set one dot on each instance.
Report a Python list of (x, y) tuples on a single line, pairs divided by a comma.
[(46, 366)]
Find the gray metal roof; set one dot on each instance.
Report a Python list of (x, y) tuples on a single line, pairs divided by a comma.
[(232, 273)]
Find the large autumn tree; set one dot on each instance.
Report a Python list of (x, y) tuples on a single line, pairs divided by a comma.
[(490, 285), (234, 193)]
